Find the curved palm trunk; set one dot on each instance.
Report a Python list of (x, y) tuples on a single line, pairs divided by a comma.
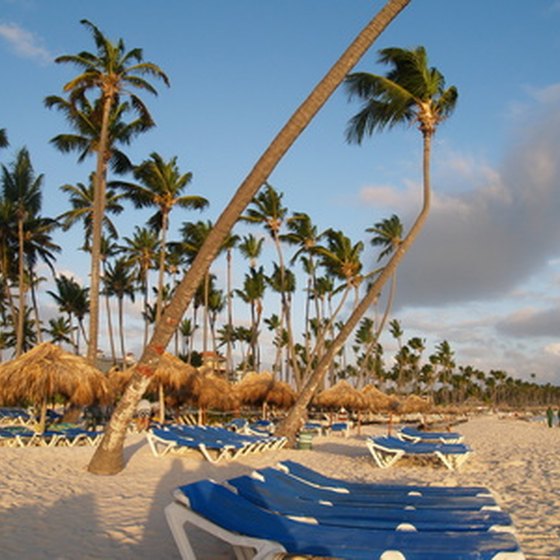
[(108, 457), (98, 212), (291, 424)]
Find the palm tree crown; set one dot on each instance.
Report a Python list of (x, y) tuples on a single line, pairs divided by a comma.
[(410, 92)]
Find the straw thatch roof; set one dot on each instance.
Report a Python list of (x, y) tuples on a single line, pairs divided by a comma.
[(207, 390), (172, 373), (341, 395), (414, 403), (377, 400), (264, 388), (47, 371)]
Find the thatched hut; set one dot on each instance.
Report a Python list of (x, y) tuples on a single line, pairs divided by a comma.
[(171, 374), (263, 389), (47, 371)]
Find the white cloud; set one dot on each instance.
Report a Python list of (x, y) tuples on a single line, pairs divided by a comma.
[(483, 242), (24, 43)]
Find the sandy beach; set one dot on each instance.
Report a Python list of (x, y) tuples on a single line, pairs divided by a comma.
[(52, 508)]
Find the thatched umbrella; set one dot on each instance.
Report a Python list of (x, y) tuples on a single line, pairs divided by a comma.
[(343, 395), (46, 371), (415, 403), (263, 389), (206, 390), (171, 374), (377, 400)]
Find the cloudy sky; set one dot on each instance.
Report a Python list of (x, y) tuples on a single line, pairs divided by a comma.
[(484, 274)]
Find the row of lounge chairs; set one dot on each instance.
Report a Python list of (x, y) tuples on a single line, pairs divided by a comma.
[(63, 436), (214, 443), (295, 510)]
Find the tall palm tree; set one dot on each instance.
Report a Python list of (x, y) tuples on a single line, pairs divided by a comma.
[(108, 457), (73, 300), (119, 282), (411, 92), (22, 188), (60, 330), (305, 235), (161, 185), (114, 73), (3, 138), (81, 199), (141, 251)]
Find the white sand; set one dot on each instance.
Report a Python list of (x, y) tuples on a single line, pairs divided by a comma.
[(51, 508)]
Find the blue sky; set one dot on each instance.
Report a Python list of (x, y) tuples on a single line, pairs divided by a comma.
[(485, 274)]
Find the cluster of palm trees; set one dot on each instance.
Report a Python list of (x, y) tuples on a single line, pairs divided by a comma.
[(105, 114)]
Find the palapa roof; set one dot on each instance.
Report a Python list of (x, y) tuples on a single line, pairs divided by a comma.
[(259, 388), (377, 400), (171, 372), (46, 371), (415, 403), (341, 395), (206, 390)]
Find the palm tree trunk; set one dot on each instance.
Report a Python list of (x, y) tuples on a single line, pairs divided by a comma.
[(291, 424), (21, 290), (164, 226), (98, 212), (108, 457)]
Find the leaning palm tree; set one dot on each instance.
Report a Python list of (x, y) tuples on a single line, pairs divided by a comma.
[(114, 73), (108, 457), (411, 92)]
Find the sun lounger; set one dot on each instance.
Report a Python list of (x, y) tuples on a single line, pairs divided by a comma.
[(340, 428), (387, 450), (164, 441), (215, 444), (281, 482), (413, 434), (14, 416), (315, 478), (381, 516), (261, 534)]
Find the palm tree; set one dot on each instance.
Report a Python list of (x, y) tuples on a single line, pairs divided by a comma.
[(114, 73), (60, 330), (304, 234), (22, 189), (388, 234), (3, 138), (141, 252), (73, 300), (411, 92), (254, 287), (81, 199), (108, 457), (119, 282), (161, 185)]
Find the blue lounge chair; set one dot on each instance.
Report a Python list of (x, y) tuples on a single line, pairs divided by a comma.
[(165, 441), (283, 483), (15, 416), (384, 516), (387, 450), (414, 434), (260, 534), (317, 479)]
